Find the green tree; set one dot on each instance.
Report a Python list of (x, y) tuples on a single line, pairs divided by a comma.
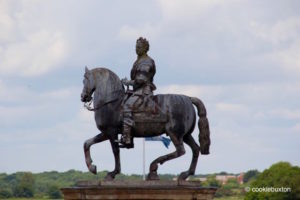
[(54, 192), (212, 182), (279, 175), (231, 188), (25, 186), (5, 193), (231, 184), (251, 174)]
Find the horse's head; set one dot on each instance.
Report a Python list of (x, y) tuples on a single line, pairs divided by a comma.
[(88, 86)]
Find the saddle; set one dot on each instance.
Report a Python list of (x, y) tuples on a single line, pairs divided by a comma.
[(147, 110)]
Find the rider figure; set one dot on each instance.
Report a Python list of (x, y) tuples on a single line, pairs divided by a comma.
[(142, 74)]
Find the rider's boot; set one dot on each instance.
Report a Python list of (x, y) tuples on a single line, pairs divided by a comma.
[(126, 139)]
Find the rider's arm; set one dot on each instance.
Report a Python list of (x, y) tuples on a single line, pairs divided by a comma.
[(131, 82), (125, 81)]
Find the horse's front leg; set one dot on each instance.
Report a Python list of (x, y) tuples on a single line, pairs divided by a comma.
[(116, 150), (87, 144)]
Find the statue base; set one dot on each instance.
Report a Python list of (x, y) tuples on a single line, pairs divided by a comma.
[(189, 190)]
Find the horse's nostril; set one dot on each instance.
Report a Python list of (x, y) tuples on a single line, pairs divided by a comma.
[(83, 97)]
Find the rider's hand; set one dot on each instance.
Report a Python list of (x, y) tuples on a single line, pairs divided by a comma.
[(125, 81)]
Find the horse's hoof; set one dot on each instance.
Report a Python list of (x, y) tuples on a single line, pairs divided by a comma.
[(152, 176), (183, 176), (93, 169), (109, 177)]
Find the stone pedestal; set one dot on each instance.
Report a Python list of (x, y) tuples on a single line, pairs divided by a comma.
[(139, 190)]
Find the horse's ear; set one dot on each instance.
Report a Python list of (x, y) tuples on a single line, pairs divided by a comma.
[(86, 69)]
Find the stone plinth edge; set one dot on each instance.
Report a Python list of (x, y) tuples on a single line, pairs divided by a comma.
[(185, 190)]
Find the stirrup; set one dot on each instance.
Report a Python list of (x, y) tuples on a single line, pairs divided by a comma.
[(121, 140), (127, 146)]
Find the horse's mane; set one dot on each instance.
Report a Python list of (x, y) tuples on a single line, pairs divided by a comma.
[(110, 86), (102, 71)]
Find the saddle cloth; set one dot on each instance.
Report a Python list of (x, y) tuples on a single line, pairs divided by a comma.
[(149, 111)]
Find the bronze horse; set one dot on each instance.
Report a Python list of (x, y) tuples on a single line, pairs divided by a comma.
[(108, 93)]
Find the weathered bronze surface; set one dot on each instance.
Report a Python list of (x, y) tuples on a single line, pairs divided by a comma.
[(142, 74), (139, 113), (139, 190)]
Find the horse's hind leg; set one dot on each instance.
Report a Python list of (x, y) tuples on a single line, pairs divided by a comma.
[(189, 140), (87, 144), (179, 152)]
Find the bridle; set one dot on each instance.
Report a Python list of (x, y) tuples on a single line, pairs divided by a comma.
[(88, 106)]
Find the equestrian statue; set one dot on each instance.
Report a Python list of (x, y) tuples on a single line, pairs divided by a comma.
[(137, 112)]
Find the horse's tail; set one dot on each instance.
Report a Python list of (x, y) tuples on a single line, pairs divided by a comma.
[(203, 125)]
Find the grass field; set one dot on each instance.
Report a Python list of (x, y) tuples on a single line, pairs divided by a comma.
[(222, 198), (30, 199), (230, 198)]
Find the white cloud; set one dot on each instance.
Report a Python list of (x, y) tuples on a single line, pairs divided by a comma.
[(25, 95), (285, 30), (60, 94), (27, 47), (296, 128), (230, 107), (57, 147), (13, 94), (177, 10), (173, 13), (290, 57), (39, 53), (18, 103), (286, 113), (284, 35), (7, 25), (130, 33)]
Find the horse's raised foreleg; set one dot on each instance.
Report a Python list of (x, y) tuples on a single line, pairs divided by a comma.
[(189, 140), (160, 160), (87, 144), (116, 150)]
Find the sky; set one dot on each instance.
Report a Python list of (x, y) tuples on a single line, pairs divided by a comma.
[(241, 58)]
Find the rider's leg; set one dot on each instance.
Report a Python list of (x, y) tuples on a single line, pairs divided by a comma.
[(127, 126), (128, 122)]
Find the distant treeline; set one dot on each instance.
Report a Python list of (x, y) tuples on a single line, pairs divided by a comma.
[(48, 184)]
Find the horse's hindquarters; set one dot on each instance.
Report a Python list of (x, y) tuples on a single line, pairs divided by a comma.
[(181, 114), (176, 114)]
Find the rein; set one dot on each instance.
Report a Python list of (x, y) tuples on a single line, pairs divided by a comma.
[(87, 105)]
